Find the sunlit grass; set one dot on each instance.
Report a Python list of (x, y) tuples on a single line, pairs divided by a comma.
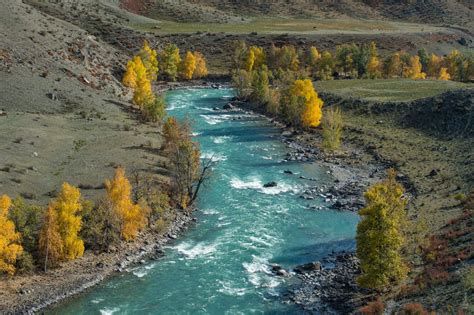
[(389, 90)]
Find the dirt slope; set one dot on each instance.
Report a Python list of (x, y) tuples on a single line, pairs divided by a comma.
[(459, 12), (67, 118)]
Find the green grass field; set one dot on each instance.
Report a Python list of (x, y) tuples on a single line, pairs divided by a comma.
[(288, 25), (395, 90)]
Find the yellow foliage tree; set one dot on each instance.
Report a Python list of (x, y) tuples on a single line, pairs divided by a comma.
[(142, 93), (255, 58), (132, 218), (10, 248), (50, 243), (444, 75), (68, 207), (413, 71), (434, 65), (150, 61), (312, 111), (201, 67), (373, 68), (130, 76), (188, 66), (379, 234)]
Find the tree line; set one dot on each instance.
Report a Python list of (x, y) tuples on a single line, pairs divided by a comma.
[(149, 65), (34, 237)]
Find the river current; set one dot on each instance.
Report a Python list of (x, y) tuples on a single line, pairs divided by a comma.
[(221, 265)]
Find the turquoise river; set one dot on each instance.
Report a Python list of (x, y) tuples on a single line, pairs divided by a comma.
[(221, 264)]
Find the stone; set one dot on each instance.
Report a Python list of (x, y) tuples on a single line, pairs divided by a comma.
[(314, 266), (270, 184)]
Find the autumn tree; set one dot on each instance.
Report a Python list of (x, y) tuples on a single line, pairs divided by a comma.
[(155, 109), (344, 60), (313, 57), (414, 71), (150, 61), (239, 58), (131, 217), (443, 74), (312, 108), (201, 67), (260, 85), (68, 207), (170, 61), (255, 58), (50, 243), (130, 76), (379, 234), (393, 66), (434, 66), (325, 66), (188, 66), (242, 82), (373, 68), (332, 124), (10, 248)]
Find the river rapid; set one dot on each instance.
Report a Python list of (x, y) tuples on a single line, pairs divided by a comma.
[(222, 263)]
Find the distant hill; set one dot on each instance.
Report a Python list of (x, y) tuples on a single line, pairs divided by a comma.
[(458, 12)]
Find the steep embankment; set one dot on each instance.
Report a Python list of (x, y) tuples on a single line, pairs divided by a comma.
[(67, 116)]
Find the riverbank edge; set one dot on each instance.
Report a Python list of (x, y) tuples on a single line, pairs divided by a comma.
[(336, 274), (76, 277), (42, 291)]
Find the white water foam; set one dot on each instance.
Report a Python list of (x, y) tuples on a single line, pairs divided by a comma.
[(109, 311), (140, 273), (199, 250), (228, 289), (214, 156), (256, 183), (97, 301), (210, 212), (220, 140)]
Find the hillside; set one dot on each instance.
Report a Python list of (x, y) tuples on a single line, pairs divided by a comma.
[(432, 11)]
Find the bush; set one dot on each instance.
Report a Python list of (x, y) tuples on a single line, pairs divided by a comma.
[(413, 309), (373, 308), (155, 110), (25, 263)]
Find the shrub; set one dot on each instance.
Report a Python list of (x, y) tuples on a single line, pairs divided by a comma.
[(25, 263), (155, 110), (413, 309), (373, 308)]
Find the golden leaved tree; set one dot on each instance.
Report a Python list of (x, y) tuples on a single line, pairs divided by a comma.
[(150, 61), (68, 208), (312, 111), (50, 243), (379, 234), (131, 216), (201, 67), (188, 66), (443, 74), (142, 92), (413, 71), (10, 248)]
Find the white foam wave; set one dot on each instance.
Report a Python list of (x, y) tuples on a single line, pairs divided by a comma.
[(198, 250), (195, 134), (214, 156), (220, 140), (228, 289), (97, 301), (140, 273), (256, 183), (109, 311), (210, 212)]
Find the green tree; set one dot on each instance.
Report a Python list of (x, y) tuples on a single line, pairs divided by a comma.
[(332, 128), (170, 61), (27, 220), (260, 85), (379, 234)]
